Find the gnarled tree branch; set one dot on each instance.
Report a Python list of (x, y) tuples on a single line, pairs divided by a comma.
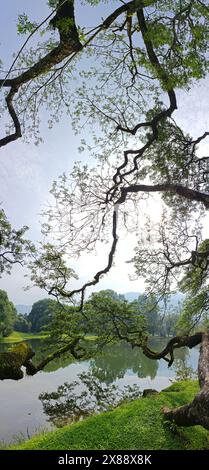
[(175, 343)]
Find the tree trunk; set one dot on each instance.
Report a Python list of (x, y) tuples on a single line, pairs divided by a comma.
[(197, 412)]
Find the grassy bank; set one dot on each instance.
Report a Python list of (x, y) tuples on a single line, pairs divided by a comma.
[(135, 425), (17, 336)]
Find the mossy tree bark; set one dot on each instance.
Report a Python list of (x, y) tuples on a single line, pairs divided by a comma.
[(12, 361)]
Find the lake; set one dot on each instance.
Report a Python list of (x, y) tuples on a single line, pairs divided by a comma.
[(21, 411)]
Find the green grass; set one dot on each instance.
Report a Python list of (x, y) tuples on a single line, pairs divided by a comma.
[(135, 425), (17, 336)]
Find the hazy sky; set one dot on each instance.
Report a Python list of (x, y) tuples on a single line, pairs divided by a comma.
[(27, 171)]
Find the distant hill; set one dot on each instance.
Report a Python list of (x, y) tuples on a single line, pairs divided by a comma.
[(23, 309), (130, 296), (175, 299)]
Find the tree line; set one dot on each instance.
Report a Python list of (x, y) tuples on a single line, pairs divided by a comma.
[(42, 311)]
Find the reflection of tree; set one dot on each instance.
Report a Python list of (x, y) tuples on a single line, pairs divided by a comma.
[(182, 354), (116, 359), (183, 371), (79, 399)]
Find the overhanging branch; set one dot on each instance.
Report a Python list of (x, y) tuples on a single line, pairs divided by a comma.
[(175, 343)]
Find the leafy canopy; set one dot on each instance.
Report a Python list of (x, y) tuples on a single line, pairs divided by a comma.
[(7, 315), (119, 82)]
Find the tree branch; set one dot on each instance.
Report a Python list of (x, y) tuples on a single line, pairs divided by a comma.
[(165, 113), (190, 194), (98, 275), (31, 369), (9, 100), (175, 343), (69, 46)]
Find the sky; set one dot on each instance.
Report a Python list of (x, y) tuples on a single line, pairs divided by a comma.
[(27, 171)]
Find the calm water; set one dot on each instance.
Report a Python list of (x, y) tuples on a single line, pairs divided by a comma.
[(21, 410)]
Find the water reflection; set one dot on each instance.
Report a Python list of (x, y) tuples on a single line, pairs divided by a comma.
[(22, 411), (74, 401), (96, 391), (116, 361)]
